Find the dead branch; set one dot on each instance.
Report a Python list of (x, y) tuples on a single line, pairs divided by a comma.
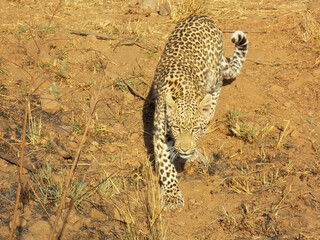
[(15, 213), (245, 31), (122, 40), (52, 16), (135, 92), (59, 150), (16, 162)]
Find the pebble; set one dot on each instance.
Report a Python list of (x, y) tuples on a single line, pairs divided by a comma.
[(93, 149), (120, 217), (94, 143), (276, 88), (49, 103), (13, 126), (91, 38), (128, 98), (73, 145), (118, 128), (296, 85), (313, 5), (21, 222), (109, 148), (96, 214), (287, 104), (40, 229), (134, 136), (149, 5), (295, 134), (73, 217), (164, 9)]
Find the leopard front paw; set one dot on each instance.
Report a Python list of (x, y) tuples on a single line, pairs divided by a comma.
[(171, 199)]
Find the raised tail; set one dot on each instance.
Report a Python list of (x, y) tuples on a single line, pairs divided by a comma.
[(231, 67)]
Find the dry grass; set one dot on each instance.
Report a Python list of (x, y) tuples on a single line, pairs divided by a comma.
[(146, 199), (265, 173), (236, 124), (308, 27), (181, 9)]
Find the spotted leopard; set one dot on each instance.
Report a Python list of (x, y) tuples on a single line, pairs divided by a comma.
[(187, 84)]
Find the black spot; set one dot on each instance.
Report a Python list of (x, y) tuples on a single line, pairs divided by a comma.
[(242, 41)]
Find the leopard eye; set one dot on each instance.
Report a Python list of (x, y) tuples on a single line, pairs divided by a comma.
[(196, 129), (176, 128)]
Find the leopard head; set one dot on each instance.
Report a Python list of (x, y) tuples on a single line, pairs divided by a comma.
[(188, 119)]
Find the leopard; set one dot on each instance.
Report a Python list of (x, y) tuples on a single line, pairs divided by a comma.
[(186, 87)]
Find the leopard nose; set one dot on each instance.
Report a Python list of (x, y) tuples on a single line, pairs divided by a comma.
[(184, 150)]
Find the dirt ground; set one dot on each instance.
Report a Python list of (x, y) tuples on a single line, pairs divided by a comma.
[(260, 174)]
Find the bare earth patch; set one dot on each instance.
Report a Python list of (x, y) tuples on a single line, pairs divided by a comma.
[(259, 177)]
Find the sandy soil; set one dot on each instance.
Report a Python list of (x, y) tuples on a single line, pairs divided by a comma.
[(260, 178)]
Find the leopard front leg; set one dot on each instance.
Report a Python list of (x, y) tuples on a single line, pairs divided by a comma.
[(170, 194)]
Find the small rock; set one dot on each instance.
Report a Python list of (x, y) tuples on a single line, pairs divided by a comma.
[(91, 38), (287, 104), (20, 222), (44, 57), (128, 98), (134, 136), (93, 149), (283, 78), (94, 143), (109, 148), (164, 9), (299, 142), (96, 214), (181, 223), (3, 125), (13, 126), (192, 201), (295, 134), (296, 85), (120, 217), (313, 5), (276, 88), (4, 230), (27, 236), (40, 229), (118, 128), (316, 71), (87, 221), (72, 145), (73, 217), (49, 103), (149, 5)]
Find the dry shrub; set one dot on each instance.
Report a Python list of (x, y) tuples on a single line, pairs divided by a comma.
[(308, 27), (251, 221), (183, 8)]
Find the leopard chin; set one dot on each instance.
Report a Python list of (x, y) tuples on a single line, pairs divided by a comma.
[(185, 156)]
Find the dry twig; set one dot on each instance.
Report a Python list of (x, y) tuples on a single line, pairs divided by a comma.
[(75, 162), (245, 31), (20, 168), (52, 16), (122, 41), (16, 162), (59, 150), (135, 92)]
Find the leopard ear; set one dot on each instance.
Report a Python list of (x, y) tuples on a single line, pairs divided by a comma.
[(205, 106), (171, 105)]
